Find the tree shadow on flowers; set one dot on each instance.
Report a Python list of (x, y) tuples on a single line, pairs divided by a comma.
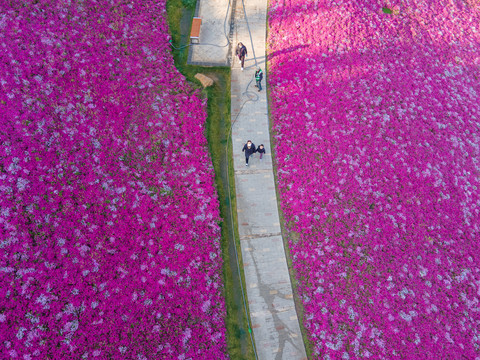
[(285, 51)]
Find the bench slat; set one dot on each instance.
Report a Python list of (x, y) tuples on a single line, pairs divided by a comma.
[(196, 23)]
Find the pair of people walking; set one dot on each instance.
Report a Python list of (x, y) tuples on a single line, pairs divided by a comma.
[(241, 52), (249, 149)]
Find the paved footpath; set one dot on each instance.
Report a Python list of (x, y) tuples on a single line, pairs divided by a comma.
[(269, 290), (270, 298)]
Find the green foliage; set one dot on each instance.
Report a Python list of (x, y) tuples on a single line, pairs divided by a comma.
[(189, 4), (387, 10)]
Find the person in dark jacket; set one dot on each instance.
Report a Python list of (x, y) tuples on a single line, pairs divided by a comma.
[(249, 150), (258, 79), (241, 52), (261, 150)]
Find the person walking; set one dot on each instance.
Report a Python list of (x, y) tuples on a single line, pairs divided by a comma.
[(258, 79), (261, 150), (241, 53), (249, 150)]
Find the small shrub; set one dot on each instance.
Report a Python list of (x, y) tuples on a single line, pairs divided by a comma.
[(189, 4)]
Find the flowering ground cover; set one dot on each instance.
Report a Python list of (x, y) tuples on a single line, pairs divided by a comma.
[(376, 116), (110, 244)]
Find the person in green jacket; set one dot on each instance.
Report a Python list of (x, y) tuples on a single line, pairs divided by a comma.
[(258, 78)]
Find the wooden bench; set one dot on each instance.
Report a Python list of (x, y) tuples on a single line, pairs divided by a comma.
[(195, 33)]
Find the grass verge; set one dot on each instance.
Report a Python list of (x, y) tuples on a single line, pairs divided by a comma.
[(180, 13)]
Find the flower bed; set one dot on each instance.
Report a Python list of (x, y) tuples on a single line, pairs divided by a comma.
[(376, 118), (110, 244)]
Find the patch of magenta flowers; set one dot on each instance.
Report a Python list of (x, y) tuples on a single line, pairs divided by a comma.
[(376, 117), (110, 244)]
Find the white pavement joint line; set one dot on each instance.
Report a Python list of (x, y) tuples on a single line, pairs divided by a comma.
[(253, 171), (259, 236)]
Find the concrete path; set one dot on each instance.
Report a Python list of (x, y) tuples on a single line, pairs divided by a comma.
[(272, 309), (269, 291)]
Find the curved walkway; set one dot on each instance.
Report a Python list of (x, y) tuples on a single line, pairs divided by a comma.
[(270, 297), (272, 309)]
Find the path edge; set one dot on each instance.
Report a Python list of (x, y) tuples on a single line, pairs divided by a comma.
[(299, 308)]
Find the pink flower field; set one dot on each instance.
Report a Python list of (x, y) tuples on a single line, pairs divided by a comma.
[(376, 119), (110, 244)]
